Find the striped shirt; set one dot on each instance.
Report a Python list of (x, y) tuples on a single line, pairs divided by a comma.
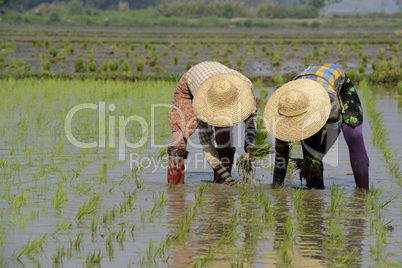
[(331, 77), (194, 78)]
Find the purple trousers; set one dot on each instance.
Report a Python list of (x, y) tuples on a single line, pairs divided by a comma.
[(316, 145)]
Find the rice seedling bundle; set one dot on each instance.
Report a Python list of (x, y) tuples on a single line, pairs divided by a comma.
[(309, 166), (260, 149)]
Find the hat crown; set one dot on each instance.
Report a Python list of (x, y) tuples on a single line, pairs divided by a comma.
[(222, 93), (293, 103)]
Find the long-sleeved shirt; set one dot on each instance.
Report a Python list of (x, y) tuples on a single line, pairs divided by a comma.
[(331, 78), (194, 78)]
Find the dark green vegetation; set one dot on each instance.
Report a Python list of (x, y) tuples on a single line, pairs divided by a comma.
[(259, 151), (308, 167), (187, 14)]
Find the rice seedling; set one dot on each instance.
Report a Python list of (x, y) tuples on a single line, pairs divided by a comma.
[(89, 206), (61, 225), (138, 182), (372, 199), (259, 194), (337, 203), (297, 197), (383, 66), (158, 204), (392, 64), (374, 66), (3, 162), (140, 65), (380, 56), (377, 251), (46, 66), (132, 230), (94, 258), (130, 198), (230, 233), (379, 132), (59, 197), (334, 239), (283, 254), (79, 66), (269, 212), (125, 66), (349, 257), (309, 166), (175, 60), (121, 235), (108, 243), (361, 69), (78, 240), (316, 52), (23, 220), (399, 88), (183, 228), (31, 246), (278, 79), (243, 193), (158, 68), (95, 225), (17, 201), (103, 172), (53, 52), (142, 216), (200, 195), (345, 57), (152, 253), (289, 232), (58, 257), (180, 48)]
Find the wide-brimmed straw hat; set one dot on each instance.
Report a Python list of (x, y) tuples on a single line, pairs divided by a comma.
[(223, 100), (297, 110)]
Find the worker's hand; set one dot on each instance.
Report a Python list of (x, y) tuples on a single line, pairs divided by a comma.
[(248, 151)]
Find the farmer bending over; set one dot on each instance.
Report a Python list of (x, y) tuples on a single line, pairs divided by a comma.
[(313, 108), (210, 95)]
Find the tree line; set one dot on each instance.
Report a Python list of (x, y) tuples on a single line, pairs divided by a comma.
[(24, 5), (180, 8)]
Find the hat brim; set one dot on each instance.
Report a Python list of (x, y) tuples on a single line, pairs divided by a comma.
[(229, 114), (302, 126)]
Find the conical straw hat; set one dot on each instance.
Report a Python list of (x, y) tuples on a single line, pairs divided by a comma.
[(297, 110), (223, 100)]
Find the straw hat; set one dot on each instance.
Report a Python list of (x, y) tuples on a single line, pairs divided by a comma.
[(297, 110), (223, 100)]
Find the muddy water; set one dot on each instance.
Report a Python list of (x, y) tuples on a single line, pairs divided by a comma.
[(254, 240)]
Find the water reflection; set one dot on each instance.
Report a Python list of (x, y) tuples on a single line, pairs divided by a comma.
[(318, 242), (312, 228), (177, 204), (356, 226), (314, 242), (220, 230)]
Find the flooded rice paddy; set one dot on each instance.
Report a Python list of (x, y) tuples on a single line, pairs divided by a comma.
[(62, 205), (263, 52)]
